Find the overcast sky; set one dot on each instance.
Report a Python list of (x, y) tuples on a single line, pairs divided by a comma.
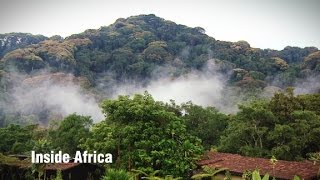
[(263, 23)]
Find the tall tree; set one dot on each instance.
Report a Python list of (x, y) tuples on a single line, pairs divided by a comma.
[(67, 135), (143, 134)]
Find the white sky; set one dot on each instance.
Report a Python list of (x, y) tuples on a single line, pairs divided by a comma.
[(263, 23)]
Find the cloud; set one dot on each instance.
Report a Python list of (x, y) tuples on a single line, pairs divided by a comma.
[(206, 87), (309, 85), (58, 96)]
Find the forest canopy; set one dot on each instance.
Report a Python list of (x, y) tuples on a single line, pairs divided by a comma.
[(152, 135)]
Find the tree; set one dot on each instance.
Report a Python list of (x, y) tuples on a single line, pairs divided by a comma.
[(247, 131), (287, 127), (143, 134), (23, 60), (295, 140), (310, 102), (205, 123), (283, 104), (16, 139), (156, 52), (312, 61), (68, 134)]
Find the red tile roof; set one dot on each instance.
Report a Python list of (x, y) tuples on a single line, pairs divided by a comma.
[(283, 169), (27, 164)]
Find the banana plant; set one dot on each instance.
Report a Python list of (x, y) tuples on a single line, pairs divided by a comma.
[(208, 172), (152, 176), (256, 176), (296, 177)]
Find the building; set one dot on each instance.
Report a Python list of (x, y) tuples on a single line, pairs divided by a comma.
[(19, 167), (238, 164), (75, 171)]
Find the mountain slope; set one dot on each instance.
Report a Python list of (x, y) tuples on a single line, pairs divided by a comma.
[(144, 48), (134, 47)]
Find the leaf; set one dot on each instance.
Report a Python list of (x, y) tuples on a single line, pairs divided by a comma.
[(139, 172), (266, 177), (200, 176), (219, 170), (296, 177), (256, 175)]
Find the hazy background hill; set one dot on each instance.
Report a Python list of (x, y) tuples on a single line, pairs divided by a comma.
[(44, 78)]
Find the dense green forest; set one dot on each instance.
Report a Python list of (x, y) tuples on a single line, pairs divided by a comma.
[(153, 136), (145, 134)]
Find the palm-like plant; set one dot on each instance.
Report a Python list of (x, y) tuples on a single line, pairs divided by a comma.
[(256, 176), (152, 176), (168, 177), (39, 169), (113, 174), (208, 172), (59, 175), (315, 157)]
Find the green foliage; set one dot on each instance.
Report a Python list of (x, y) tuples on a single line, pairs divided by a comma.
[(294, 55), (56, 54), (12, 41), (283, 104), (152, 175), (7, 159), (58, 175), (228, 175), (280, 63), (38, 170), (149, 135), (69, 133), (42, 146), (296, 177), (312, 61), (112, 174), (10, 168), (247, 130), (16, 139), (24, 60), (206, 123), (247, 175), (315, 157), (134, 47), (256, 176), (208, 173), (143, 134), (283, 127), (310, 102)]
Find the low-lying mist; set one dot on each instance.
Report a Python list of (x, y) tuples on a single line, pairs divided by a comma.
[(55, 97), (52, 96), (206, 87), (309, 85)]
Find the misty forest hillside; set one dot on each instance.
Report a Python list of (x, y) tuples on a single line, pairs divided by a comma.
[(71, 94), (140, 49)]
